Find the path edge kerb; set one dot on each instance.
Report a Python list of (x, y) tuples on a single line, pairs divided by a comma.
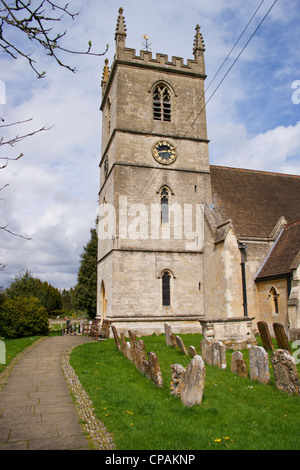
[(96, 432), (7, 371)]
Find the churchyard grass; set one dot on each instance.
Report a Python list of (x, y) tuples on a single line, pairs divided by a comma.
[(235, 413), (15, 346)]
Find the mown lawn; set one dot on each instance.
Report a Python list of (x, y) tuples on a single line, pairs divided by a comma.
[(235, 413)]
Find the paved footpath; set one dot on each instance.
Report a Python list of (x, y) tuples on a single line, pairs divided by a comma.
[(36, 408)]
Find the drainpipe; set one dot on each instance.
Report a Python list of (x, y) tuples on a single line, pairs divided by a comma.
[(243, 248)]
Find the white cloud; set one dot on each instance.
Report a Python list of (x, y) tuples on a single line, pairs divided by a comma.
[(53, 189)]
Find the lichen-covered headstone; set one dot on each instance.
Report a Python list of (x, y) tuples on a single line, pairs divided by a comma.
[(285, 372), (259, 365), (168, 333), (238, 365), (192, 351), (177, 371), (192, 382), (206, 351), (219, 354), (155, 371)]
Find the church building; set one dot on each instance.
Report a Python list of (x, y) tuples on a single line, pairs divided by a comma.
[(180, 240)]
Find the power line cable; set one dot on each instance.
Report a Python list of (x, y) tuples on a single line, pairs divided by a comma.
[(225, 60), (215, 90)]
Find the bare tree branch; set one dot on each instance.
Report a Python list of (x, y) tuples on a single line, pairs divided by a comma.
[(12, 233), (36, 25)]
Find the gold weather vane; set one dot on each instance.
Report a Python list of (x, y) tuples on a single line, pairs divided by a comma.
[(147, 45)]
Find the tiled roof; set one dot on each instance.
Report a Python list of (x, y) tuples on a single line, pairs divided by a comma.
[(254, 200), (284, 255)]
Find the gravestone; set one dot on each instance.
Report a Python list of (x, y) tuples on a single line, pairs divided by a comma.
[(168, 333), (241, 368), (155, 371), (238, 365), (206, 351), (147, 369), (285, 372), (259, 365), (192, 351), (265, 335), (173, 341), (177, 371), (123, 343), (117, 341), (140, 355), (281, 337), (219, 354), (234, 357), (128, 351), (192, 382), (132, 341), (181, 345)]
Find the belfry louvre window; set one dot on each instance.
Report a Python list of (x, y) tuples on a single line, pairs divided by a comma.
[(161, 103), (166, 291)]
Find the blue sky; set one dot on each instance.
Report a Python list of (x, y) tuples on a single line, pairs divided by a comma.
[(53, 189)]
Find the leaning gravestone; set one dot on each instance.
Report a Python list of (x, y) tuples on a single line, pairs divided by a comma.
[(155, 371), (181, 345), (265, 335), (140, 355), (132, 341), (285, 372), (192, 382), (173, 341), (206, 351), (259, 365), (219, 354), (123, 343), (116, 337), (168, 333), (281, 337)]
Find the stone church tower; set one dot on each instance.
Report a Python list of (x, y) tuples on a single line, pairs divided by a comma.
[(154, 184)]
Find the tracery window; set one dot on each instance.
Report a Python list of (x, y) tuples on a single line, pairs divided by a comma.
[(161, 103)]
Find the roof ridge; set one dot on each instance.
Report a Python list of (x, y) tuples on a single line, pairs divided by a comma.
[(254, 171)]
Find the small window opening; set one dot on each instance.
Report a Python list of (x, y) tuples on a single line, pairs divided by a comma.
[(164, 204), (166, 291), (274, 299)]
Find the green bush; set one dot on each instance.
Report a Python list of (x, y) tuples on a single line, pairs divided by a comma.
[(23, 316)]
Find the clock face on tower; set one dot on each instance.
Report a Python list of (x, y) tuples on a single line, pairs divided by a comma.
[(164, 152)]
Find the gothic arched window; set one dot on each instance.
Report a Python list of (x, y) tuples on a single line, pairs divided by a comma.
[(164, 205), (162, 103), (166, 289)]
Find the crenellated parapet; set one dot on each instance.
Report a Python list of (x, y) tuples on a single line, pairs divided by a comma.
[(161, 61)]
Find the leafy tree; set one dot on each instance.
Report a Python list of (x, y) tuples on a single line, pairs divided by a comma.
[(25, 285), (22, 316), (85, 291)]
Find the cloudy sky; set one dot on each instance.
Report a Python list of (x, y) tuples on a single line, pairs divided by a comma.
[(253, 116)]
